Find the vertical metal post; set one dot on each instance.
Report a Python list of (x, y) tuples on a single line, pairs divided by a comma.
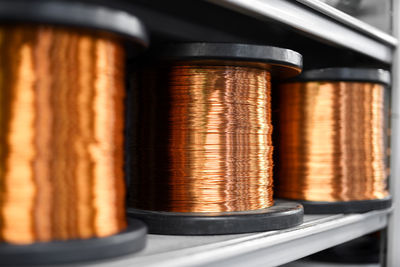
[(393, 256)]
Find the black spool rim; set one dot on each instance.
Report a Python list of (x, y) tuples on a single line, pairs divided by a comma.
[(345, 74), (59, 252), (345, 207), (283, 63), (282, 215), (74, 14)]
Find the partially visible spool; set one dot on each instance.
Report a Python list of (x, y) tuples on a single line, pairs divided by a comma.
[(332, 140), (200, 143), (62, 193)]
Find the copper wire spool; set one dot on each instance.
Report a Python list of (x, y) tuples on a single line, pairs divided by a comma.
[(63, 120), (61, 143), (332, 139), (202, 137), (219, 142)]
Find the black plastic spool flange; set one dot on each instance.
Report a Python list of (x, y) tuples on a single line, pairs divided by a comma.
[(282, 215), (350, 75), (345, 75), (100, 20), (61, 252), (79, 15), (346, 207), (282, 63)]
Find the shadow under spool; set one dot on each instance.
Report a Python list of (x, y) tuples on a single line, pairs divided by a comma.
[(332, 140), (196, 165), (62, 193)]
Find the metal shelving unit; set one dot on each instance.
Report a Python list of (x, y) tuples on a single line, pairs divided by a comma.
[(318, 31), (256, 249)]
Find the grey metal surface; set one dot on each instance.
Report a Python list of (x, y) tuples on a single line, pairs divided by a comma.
[(256, 249), (316, 25), (393, 257), (372, 12), (350, 21)]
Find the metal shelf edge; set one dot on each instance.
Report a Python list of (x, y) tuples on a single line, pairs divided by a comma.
[(256, 249), (350, 21), (313, 24)]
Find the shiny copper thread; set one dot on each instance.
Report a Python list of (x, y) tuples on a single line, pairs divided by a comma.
[(206, 144), (332, 141), (61, 117)]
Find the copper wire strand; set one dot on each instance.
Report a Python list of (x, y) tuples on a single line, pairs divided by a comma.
[(61, 117), (332, 141), (207, 132)]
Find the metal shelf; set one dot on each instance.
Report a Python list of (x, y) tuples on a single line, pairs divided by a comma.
[(320, 22), (256, 249)]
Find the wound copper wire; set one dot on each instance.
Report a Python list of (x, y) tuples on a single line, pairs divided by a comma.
[(203, 140), (61, 138), (332, 139)]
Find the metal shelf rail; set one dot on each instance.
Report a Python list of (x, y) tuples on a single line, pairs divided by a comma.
[(321, 22), (393, 257), (256, 249)]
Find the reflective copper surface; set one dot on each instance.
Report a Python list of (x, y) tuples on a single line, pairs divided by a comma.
[(201, 139), (332, 141), (61, 117)]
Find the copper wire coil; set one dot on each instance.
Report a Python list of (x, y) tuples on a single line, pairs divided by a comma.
[(203, 140), (332, 139), (61, 138)]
